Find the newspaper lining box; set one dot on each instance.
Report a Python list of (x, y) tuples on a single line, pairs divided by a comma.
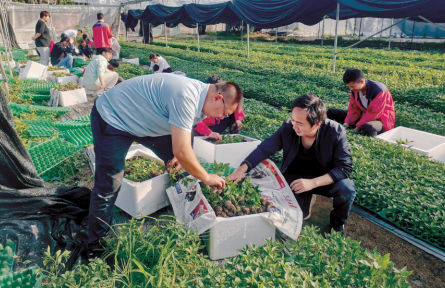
[(33, 70), (145, 197), (131, 60), (233, 154), (64, 80), (420, 142)]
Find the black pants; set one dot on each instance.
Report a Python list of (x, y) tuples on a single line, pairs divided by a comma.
[(221, 126), (343, 194), (372, 128), (111, 146)]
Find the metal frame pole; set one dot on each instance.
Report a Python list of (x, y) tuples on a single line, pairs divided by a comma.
[(119, 23), (197, 31), (335, 39), (5, 79), (390, 33), (5, 16), (276, 35), (5, 41), (165, 32), (242, 30), (53, 30), (248, 40), (360, 29), (322, 32), (423, 18), (216, 32), (143, 34), (412, 35)]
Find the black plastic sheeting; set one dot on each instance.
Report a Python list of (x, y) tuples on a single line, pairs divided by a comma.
[(276, 13)]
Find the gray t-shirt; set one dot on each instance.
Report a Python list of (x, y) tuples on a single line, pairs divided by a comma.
[(148, 105), (45, 39)]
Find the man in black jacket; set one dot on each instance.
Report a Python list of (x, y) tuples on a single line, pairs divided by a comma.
[(316, 159), (61, 55)]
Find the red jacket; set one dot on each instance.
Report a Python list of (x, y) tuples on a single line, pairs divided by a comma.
[(380, 107), (203, 126), (102, 35)]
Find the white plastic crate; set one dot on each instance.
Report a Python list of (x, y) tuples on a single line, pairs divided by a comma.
[(64, 80), (424, 143), (131, 60), (146, 197), (33, 70), (233, 154), (69, 98), (225, 239)]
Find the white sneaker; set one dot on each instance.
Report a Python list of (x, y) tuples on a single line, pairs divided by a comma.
[(314, 197)]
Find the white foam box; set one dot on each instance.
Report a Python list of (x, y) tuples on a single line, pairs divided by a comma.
[(233, 154), (32, 52), (146, 197), (225, 239), (424, 143), (131, 60), (64, 80), (48, 73), (33, 70), (72, 97), (79, 57)]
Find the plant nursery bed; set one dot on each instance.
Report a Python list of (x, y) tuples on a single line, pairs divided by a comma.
[(142, 196), (231, 153), (420, 142)]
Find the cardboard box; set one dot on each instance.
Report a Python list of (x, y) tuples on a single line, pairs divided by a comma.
[(33, 70), (131, 60), (69, 98), (424, 143), (225, 239), (146, 197), (233, 154)]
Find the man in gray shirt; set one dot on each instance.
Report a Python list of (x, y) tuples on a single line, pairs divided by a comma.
[(159, 112)]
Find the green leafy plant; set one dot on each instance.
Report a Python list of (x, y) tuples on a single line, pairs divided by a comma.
[(61, 74), (229, 139), (55, 68), (67, 87), (139, 169)]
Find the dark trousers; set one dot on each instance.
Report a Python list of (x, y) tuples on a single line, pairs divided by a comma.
[(343, 194), (111, 146), (372, 128), (221, 126)]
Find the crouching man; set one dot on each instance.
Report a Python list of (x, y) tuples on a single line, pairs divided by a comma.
[(316, 159)]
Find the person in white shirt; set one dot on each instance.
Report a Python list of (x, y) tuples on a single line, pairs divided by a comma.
[(97, 77), (159, 64), (72, 34)]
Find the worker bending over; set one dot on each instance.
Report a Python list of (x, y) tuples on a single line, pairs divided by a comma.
[(159, 64)]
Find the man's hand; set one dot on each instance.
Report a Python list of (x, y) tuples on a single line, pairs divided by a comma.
[(237, 125), (215, 180), (238, 174), (215, 135), (33, 38), (346, 125), (302, 185), (357, 129), (174, 164)]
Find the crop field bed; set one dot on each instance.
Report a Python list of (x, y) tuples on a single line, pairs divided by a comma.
[(394, 183)]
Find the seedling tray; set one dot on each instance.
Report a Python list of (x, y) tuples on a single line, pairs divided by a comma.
[(80, 137), (8, 248), (84, 118), (71, 124), (41, 128), (48, 156), (27, 278), (35, 97), (44, 88)]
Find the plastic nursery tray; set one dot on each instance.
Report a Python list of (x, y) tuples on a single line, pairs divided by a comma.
[(8, 248), (27, 278), (80, 137), (35, 97), (18, 109), (41, 128), (51, 154), (71, 124), (44, 88)]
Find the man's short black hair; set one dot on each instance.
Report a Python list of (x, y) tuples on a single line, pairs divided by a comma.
[(84, 36), (65, 39), (153, 56), (215, 78), (80, 30), (100, 16), (113, 62), (352, 75), (316, 110)]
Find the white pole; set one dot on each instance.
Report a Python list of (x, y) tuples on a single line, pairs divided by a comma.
[(276, 35), (165, 31), (322, 33), (6, 42), (390, 33), (248, 41), (242, 30), (119, 25), (216, 31), (335, 40), (197, 30)]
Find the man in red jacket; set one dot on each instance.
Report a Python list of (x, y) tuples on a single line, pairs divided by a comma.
[(371, 107), (102, 34), (213, 127)]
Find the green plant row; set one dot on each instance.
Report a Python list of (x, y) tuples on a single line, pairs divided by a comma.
[(168, 255), (423, 90), (128, 71)]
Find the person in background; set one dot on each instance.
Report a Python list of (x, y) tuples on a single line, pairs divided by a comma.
[(113, 64), (85, 50), (42, 38), (316, 159), (213, 127), (159, 64), (371, 107), (72, 34), (97, 77), (87, 39), (102, 34), (61, 54)]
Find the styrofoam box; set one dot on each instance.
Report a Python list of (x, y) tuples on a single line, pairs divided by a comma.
[(48, 73), (72, 97), (32, 52), (131, 60), (146, 197), (233, 154), (225, 239), (64, 80), (79, 57), (33, 70), (424, 143)]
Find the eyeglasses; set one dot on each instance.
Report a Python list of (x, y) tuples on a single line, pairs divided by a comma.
[(225, 111)]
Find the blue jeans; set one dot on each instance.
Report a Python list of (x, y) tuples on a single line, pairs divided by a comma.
[(111, 146), (66, 62)]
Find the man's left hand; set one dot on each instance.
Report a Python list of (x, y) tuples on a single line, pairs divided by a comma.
[(357, 129), (302, 185), (173, 164)]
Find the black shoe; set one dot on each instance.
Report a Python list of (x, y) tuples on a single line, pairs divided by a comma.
[(328, 229)]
